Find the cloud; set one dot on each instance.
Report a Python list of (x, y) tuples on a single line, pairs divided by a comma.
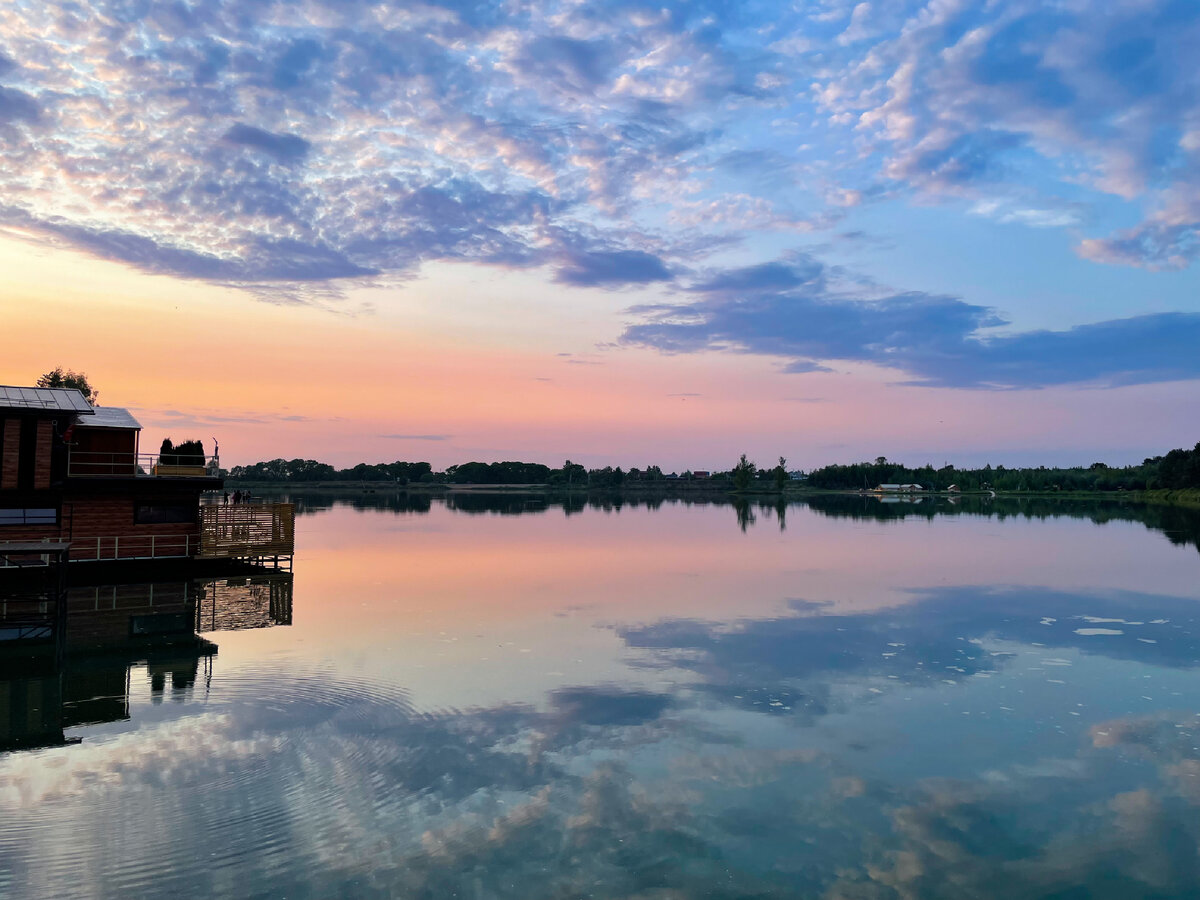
[(1007, 212), (860, 26), (449, 132), (614, 145), (800, 311), (285, 148), (288, 261), (970, 99), (575, 65), (1149, 246), (209, 417), (790, 659), (612, 268), (417, 437), (17, 106)]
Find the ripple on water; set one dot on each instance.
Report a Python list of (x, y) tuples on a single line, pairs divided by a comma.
[(274, 768)]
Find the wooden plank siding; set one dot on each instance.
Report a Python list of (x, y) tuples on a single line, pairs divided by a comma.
[(103, 527), (45, 440), (10, 464)]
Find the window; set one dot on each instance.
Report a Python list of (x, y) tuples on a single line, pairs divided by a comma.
[(160, 513), (28, 516), (160, 623)]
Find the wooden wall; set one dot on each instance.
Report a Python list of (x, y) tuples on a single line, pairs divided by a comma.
[(11, 434), (112, 516)]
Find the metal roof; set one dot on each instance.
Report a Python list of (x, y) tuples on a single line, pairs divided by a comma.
[(49, 399), (110, 417)]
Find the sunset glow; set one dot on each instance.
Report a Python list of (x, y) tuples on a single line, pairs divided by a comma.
[(666, 235)]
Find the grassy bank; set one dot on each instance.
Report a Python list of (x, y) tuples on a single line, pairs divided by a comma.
[(1187, 497)]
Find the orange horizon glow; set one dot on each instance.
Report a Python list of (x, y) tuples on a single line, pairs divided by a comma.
[(197, 360)]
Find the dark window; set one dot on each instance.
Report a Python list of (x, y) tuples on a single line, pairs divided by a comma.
[(160, 623), (160, 513), (38, 516)]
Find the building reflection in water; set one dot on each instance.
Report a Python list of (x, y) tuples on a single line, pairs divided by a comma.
[(81, 674)]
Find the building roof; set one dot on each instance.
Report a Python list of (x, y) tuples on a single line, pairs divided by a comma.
[(47, 399), (110, 417)]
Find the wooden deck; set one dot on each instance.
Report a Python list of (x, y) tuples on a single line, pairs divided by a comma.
[(247, 531)]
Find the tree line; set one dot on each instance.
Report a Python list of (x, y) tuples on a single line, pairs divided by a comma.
[(1176, 470), (570, 474)]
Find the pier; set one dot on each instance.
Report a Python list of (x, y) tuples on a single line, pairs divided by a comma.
[(248, 531)]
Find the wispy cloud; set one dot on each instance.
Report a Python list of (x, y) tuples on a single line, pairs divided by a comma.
[(800, 312), (417, 437), (169, 417), (985, 100)]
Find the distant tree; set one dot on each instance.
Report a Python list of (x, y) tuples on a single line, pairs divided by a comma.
[(781, 475), (743, 474), (66, 378), (573, 474)]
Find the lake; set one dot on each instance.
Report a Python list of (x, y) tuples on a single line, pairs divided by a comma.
[(499, 696)]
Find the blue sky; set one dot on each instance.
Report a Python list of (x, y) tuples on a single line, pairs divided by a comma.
[(942, 182)]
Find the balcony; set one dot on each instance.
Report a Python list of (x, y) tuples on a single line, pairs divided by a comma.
[(100, 464), (252, 531)]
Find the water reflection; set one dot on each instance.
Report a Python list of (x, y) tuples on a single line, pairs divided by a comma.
[(80, 673), (944, 636), (846, 700), (1180, 524)]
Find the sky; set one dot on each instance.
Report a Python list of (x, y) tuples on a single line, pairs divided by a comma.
[(617, 232)]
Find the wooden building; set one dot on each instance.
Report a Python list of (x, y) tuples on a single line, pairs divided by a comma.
[(71, 472)]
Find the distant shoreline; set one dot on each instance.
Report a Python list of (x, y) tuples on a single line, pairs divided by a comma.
[(1185, 497)]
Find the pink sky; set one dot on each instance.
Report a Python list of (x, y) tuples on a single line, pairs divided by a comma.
[(432, 362)]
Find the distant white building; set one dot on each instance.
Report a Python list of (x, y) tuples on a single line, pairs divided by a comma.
[(898, 488)]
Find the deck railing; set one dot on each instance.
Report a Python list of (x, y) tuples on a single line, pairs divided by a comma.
[(247, 530), (109, 547), (134, 546), (99, 464), (254, 531)]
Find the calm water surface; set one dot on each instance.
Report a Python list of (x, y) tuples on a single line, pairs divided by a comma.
[(504, 698)]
